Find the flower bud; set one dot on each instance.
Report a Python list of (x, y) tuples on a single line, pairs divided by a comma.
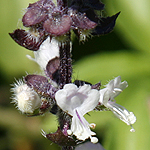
[(26, 99)]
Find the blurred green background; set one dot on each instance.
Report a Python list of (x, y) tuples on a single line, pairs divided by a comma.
[(124, 52)]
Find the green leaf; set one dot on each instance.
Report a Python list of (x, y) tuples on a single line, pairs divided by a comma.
[(134, 68), (133, 23)]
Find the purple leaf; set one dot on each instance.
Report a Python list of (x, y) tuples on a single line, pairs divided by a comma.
[(105, 25), (37, 12), (52, 69), (33, 16), (40, 85), (82, 22), (27, 40), (35, 80), (96, 86), (59, 138), (58, 26)]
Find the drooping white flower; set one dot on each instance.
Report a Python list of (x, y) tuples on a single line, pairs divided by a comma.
[(25, 98), (48, 50), (107, 95), (77, 102)]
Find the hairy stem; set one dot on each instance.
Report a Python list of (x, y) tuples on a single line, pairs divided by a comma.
[(65, 64), (65, 77)]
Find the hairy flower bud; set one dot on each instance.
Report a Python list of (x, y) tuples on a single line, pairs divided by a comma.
[(26, 99)]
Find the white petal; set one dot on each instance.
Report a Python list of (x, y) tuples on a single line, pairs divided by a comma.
[(66, 98), (115, 87), (120, 85), (81, 128), (110, 85), (117, 81), (62, 102), (104, 96), (122, 113), (90, 102), (123, 85), (84, 89), (70, 88), (47, 51), (71, 97)]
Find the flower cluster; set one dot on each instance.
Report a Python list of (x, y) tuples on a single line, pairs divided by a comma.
[(49, 32), (44, 18)]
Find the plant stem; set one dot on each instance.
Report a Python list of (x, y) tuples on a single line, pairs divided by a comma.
[(65, 77), (65, 63)]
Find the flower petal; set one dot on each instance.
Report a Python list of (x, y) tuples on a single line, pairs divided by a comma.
[(122, 113), (104, 96), (70, 97), (80, 127), (63, 98), (48, 50), (91, 101)]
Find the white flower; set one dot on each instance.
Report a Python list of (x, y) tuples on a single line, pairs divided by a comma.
[(107, 95), (48, 50), (26, 99), (77, 102)]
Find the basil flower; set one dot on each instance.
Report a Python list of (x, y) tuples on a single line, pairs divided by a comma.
[(77, 102), (107, 95)]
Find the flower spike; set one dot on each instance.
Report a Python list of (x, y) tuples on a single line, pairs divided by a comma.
[(49, 28)]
